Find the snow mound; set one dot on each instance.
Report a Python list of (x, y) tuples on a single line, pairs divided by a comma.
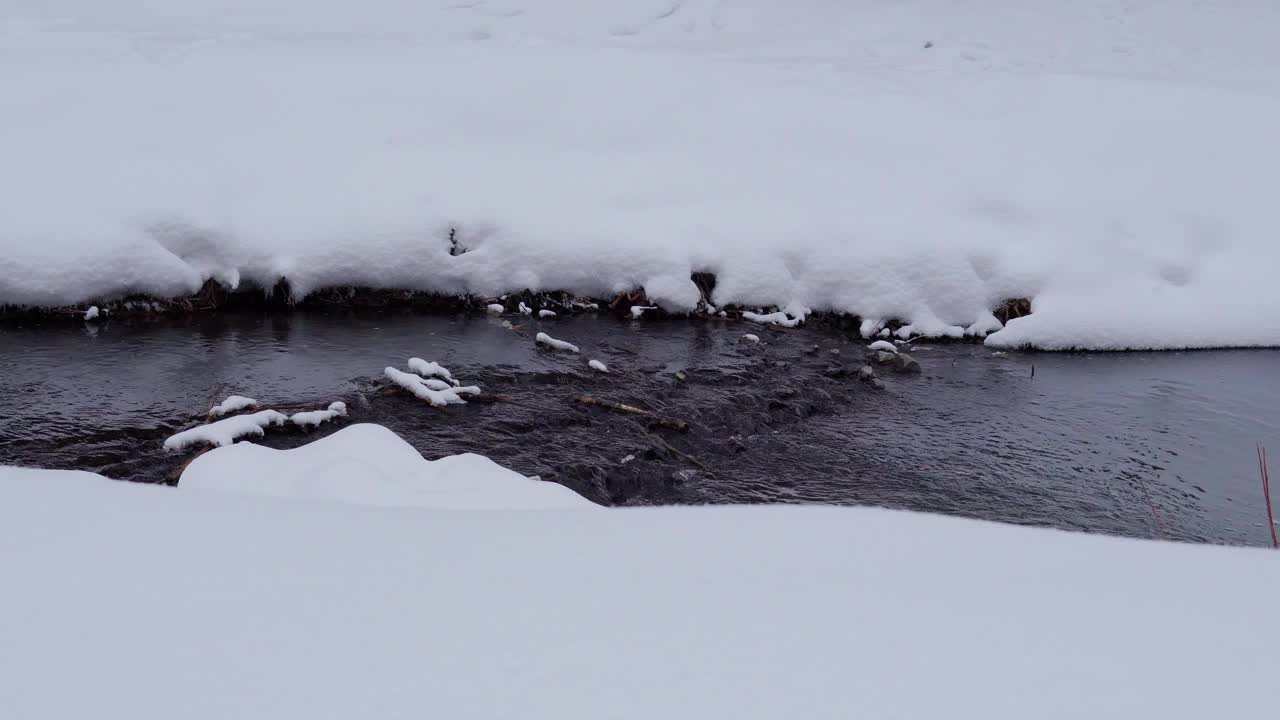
[(235, 403), (370, 465), (751, 337), (554, 344), (777, 318), (545, 314), (315, 418), (884, 345), (433, 391), (226, 431), (598, 366), (431, 369)]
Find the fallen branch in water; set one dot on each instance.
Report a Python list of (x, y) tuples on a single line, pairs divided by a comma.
[(1266, 494), (684, 456), (677, 425), (176, 474)]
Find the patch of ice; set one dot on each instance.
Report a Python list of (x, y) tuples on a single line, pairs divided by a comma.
[(314, 418), (227, 430), (555, 344), (232, 404), (777, 318), (883, 345), (436, 393), (598, 366)]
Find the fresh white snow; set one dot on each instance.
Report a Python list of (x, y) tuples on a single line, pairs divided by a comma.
[(923, 160), (370, 465), (554, 344), (316, 418), (884, 345), (751, 337), (777, 318), (495, 308), (150, 603), (232, 404), (431, 369), (546, 314), (525, 310), (598, 366), (436, 393), (226, 430)]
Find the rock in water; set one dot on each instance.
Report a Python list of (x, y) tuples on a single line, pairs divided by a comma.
[(866, 374), (904, 363), (884, 358)]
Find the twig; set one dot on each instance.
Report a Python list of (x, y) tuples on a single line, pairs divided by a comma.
[(175, 475), (678, 453), (1266, 494), (677, 425), (1154, 515)]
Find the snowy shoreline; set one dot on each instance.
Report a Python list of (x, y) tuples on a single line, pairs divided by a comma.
[(921, 161), (297, 596)]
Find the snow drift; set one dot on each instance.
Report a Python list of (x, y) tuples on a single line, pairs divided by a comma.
[(919, 160), (140, 602), (370, 465)]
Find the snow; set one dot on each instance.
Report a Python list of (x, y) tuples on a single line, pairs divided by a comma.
[(316, 418), (546, 314), (524, 309), (91, 314), (495, 308), (144, 602), (637, 311), (598, 366), (984, 326), (235, 403), (884, 345), (431, 369), (751, 337), (370, 465), (437, 393), (1113, 161), (226, 431), (555, 344), (777, 318)]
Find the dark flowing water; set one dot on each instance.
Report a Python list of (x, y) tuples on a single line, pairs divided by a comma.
[(1143, 444)]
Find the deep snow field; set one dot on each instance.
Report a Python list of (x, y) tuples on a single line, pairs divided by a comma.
[(359, 588), (921, 160)]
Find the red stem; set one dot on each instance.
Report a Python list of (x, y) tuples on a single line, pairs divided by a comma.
[(1266, 494)]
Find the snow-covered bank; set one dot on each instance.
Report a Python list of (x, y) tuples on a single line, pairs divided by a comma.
[(920, 161), (126, 601)]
